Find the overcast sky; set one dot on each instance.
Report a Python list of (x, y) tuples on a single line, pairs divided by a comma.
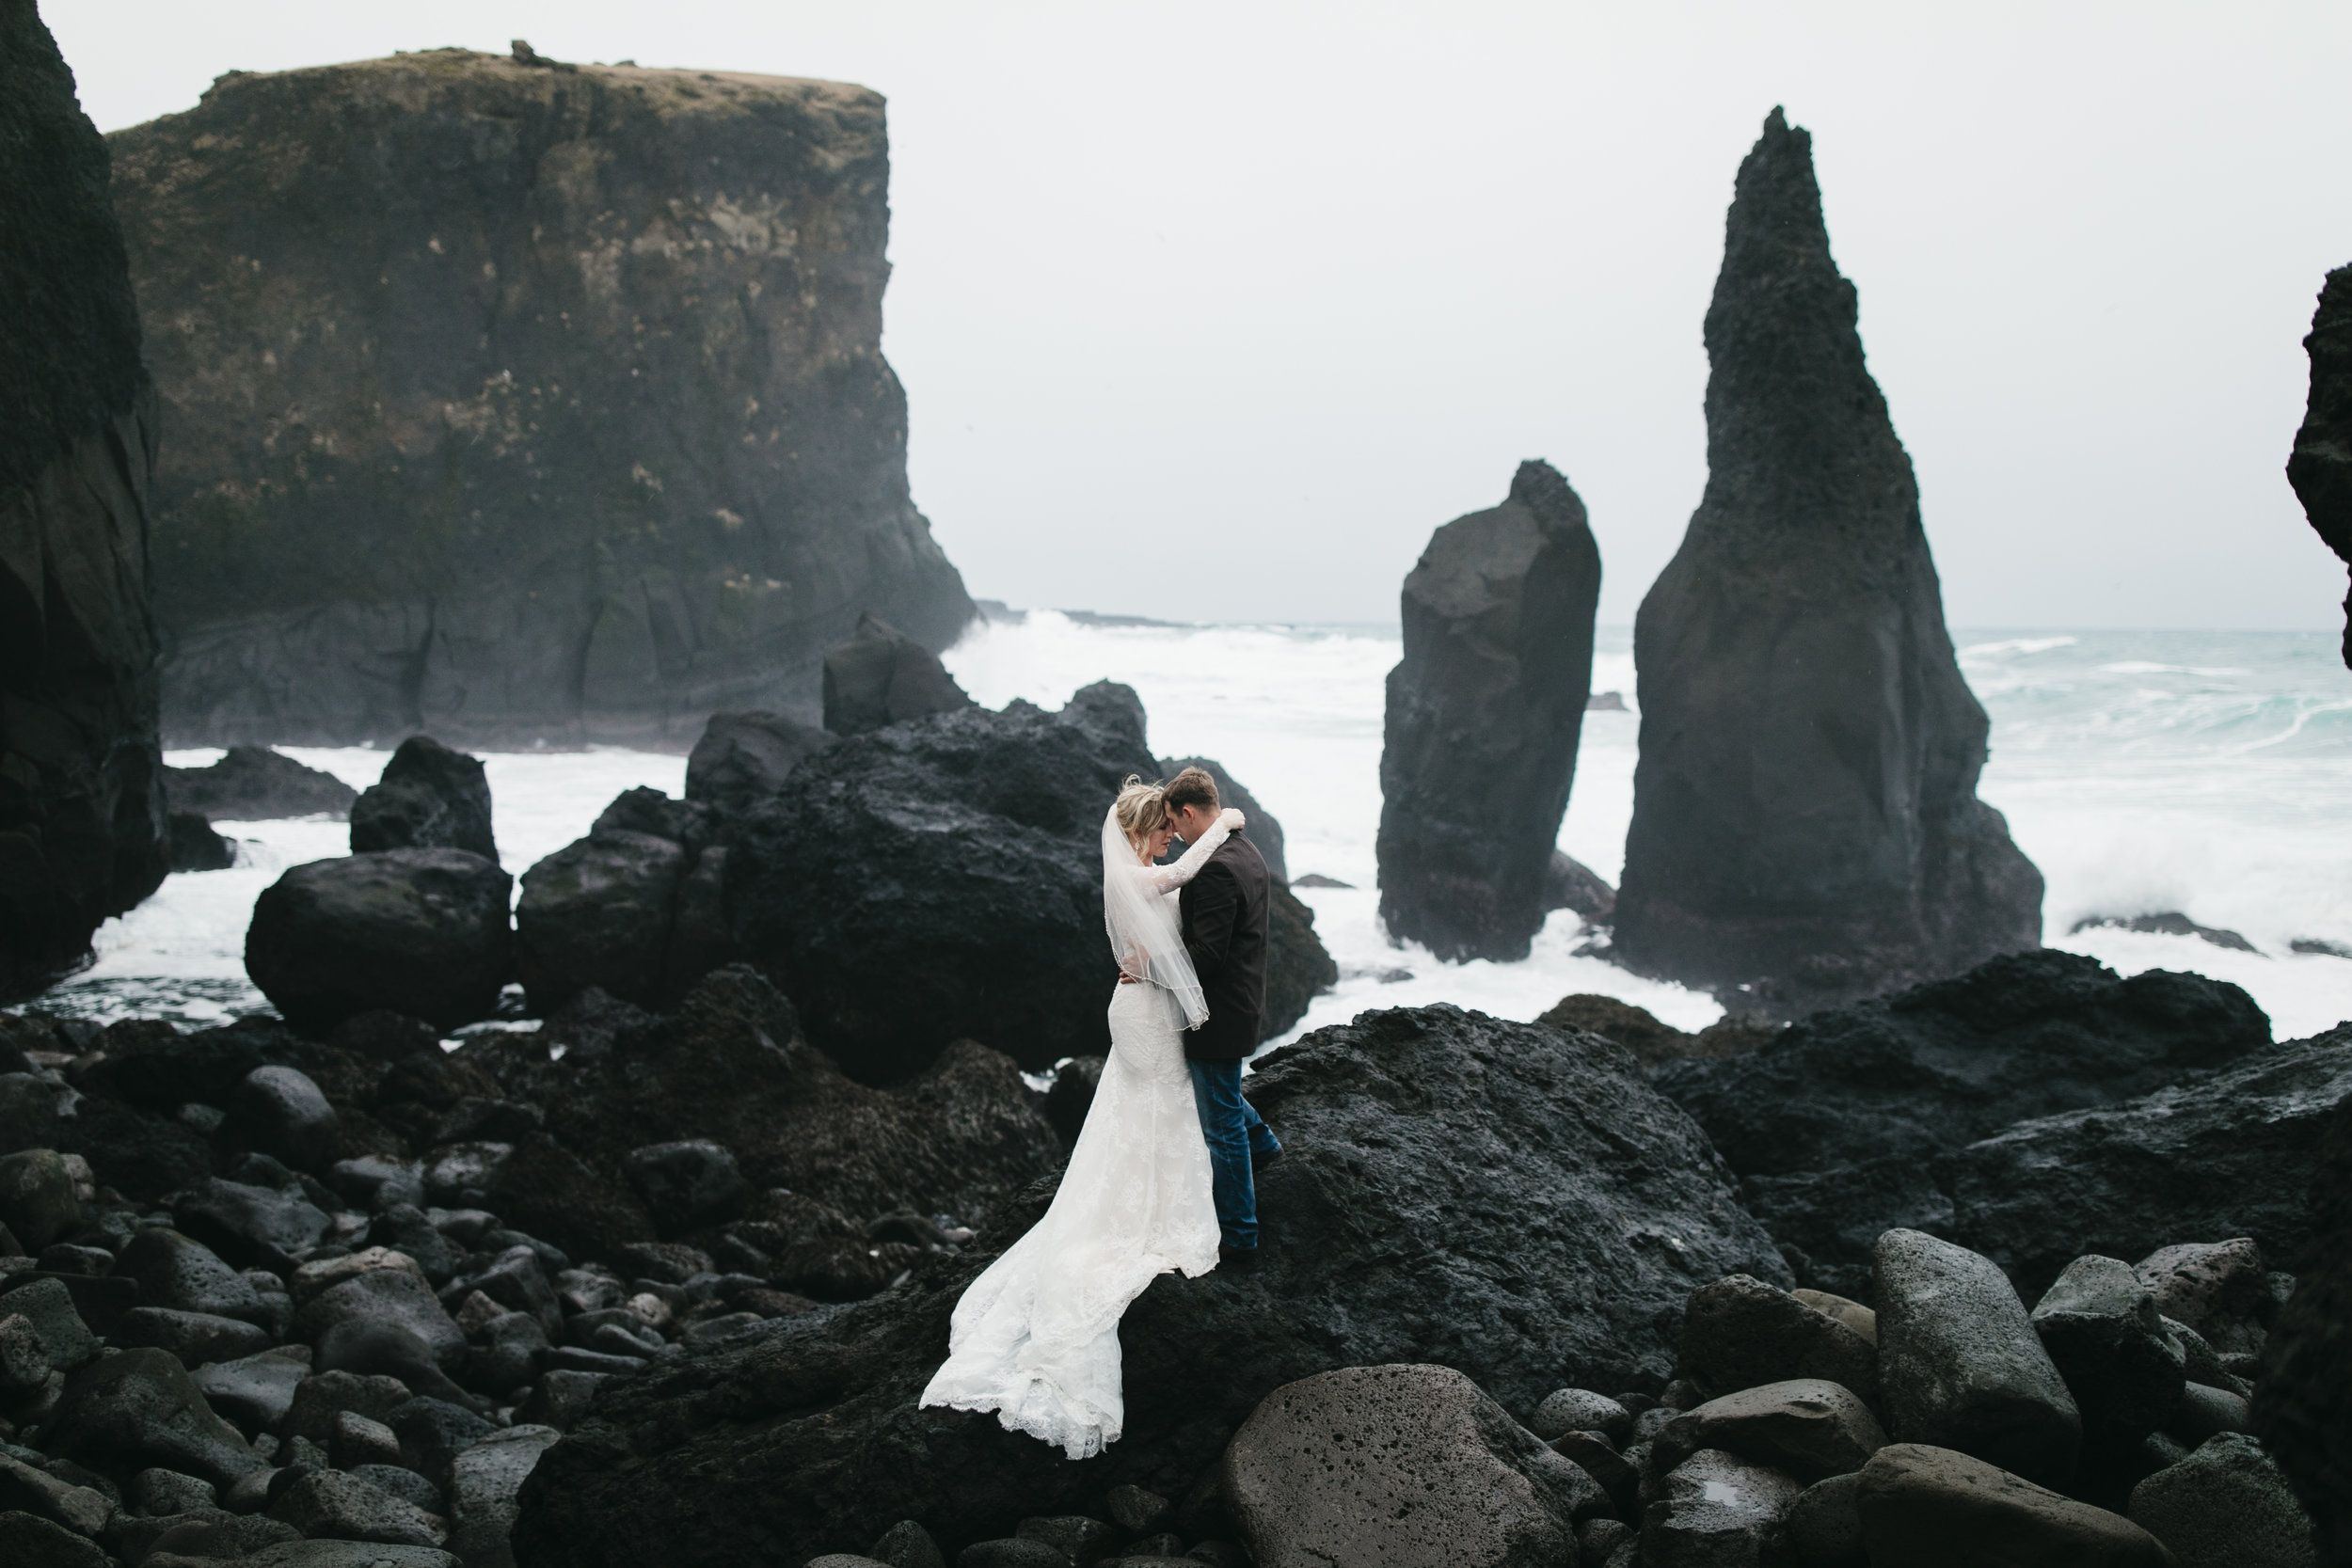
[(1310, 280)]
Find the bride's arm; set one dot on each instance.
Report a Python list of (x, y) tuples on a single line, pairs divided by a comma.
[(1166, 879)]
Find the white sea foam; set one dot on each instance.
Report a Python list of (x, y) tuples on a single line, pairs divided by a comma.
[(2171, 785)]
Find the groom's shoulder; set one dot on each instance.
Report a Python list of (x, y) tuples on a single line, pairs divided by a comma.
[(1240, 855)]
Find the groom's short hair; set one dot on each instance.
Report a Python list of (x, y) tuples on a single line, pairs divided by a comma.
[(1191, 787)]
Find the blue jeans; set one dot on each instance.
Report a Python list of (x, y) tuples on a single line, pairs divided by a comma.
[(1234, 1132)]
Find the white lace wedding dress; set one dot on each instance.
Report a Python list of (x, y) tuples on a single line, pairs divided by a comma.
[(1036, 1338)]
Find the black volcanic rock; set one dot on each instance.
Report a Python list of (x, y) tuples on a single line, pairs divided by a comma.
[(195, 848), (1483, 714), (253, 784), (82, 832), (742, 758), (942, 879), (513, 402), (422, 932), (2232, 1153), (1496, 1197), (731, 1066), (428, 797), (2303, 1400), (880, 677), (1832, 1120), (2321, 467), (1804, 815), (599, 913)]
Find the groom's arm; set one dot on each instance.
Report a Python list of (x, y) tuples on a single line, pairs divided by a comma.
[(1211, 907)]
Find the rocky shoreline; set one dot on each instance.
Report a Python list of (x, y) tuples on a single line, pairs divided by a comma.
[(640, 1286)]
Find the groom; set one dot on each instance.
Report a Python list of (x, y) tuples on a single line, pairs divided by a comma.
[(1225, 930)]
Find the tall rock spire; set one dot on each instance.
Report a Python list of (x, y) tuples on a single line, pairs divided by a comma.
[(1806, 822), (2321, 467), (81, 783), (1485, 712)]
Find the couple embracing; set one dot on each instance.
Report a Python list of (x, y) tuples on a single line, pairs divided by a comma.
[(1160, 1177)]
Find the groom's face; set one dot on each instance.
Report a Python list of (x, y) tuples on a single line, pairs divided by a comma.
[(1191, 822)]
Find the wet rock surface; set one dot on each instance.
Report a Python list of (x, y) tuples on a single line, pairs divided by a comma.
[(1933, 1507), (422, 932), (650, 485), (82, 820), (1515, 1288), (1405, 1464), (1833, 1121), (1483, 715), (1961, 1366), (941, 878), (428, 797), (2227, 1155), (1805, 819), (881, 676)]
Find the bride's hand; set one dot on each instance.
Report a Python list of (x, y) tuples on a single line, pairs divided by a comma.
[(1231, 820)]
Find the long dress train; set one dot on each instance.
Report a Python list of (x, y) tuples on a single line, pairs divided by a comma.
[(1036, 1337)]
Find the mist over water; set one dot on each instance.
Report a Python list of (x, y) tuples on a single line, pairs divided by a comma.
[(2143, 771)]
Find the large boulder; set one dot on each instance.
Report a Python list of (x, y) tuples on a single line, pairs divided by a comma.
[(555, 405), (428, 797), (2230, 1154), (942, 877), (732, 1068), (1925, 1507), (1500, 1199), (881, 676), (2226, 1506), (742, 758), (1960, 1365), (254, 783), (416, 931), (81, 824), (1805, 821), (2321, 467), (1832, 1120), (598, 912), (1413, 1466), (1483, 714)]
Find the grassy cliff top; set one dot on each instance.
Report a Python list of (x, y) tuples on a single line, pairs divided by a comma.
[(409, 79)]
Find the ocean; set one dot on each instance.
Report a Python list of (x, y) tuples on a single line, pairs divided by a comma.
[(2143, 771)]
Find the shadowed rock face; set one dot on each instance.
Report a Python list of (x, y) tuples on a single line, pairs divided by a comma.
[(2321, 468), (1805, 813), (1496, 1197), (520, 401), (81, 824), (1484, 711)]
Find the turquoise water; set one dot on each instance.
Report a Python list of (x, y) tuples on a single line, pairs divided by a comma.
[(2205, 772)]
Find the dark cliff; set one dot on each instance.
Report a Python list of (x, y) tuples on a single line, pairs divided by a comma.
[(2321, 467), (1806, 817), (1484, 711), (518, 401), (81, 829)]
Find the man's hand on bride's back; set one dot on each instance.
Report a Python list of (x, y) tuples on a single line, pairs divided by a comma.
[(1231, 820)]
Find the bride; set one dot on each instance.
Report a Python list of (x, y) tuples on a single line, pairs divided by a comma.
[(1036, 1338)]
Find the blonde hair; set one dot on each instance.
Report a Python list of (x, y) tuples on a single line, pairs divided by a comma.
[(1141, 809)]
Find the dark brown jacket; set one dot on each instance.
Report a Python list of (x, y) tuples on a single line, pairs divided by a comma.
[(1225, 931)]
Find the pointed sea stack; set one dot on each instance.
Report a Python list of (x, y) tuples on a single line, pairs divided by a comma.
[(81, 826), (1806, 820), (2321, 468), (516, 401), (1484, 711)]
